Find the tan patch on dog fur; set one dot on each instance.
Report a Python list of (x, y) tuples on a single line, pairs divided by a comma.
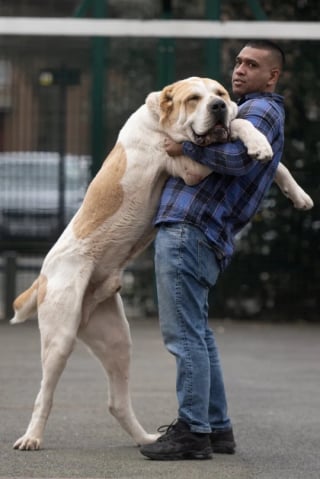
[(42, 289), (24, 297), (186, 94), (104, 196)]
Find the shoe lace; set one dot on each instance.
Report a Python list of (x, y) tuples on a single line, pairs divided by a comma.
[(167, 427)]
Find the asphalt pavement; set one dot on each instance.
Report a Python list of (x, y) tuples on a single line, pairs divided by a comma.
[(272, 375)]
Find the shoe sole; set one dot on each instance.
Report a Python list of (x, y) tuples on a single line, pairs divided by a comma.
[(223, 449), (182, 456)]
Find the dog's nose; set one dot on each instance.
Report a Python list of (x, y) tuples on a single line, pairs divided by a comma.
[(218, 109), (217, 106)]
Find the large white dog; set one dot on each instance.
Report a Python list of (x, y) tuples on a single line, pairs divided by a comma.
[(77, 291)]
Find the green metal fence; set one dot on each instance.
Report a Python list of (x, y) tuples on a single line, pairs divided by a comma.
[(72, 95)]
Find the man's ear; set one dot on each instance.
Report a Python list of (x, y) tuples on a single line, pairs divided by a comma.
[(274, 76)]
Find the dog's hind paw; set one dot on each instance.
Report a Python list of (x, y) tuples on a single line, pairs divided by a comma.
[(27, 443), (149, 439)]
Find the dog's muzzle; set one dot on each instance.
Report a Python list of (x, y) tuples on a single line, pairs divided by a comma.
[(219, 132), (219, 111)]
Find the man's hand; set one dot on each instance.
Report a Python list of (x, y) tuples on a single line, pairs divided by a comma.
[(172, 148)]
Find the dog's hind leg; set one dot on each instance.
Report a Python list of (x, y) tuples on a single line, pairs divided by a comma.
[(107, 335), (58, 334)]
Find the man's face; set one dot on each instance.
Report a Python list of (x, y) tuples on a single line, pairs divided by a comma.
[(255, 71)]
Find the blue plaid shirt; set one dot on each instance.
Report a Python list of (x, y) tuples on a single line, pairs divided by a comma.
[(224, 202)]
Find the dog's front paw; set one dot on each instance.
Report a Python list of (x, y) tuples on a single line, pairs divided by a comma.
[(260, 150), (302, 201), (27, 443)]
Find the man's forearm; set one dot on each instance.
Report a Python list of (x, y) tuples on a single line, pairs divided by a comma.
[(226, 159)]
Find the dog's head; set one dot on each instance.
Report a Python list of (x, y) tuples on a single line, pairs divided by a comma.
[(195, 109)]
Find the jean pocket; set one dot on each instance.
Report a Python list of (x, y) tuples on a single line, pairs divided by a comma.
[(208, 264)]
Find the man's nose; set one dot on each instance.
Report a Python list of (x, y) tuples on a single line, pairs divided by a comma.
[(239, 68)]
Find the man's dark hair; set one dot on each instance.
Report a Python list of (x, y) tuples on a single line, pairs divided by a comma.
[(271, 46)]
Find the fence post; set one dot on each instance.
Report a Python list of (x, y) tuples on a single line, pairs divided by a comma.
[(213, 45), (10, 273), (166, 53)]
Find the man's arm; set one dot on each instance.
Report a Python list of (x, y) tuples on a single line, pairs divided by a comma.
[(232, 158), (226, 159)]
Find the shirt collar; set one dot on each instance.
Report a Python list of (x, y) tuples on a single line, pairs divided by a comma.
[(251, 96)]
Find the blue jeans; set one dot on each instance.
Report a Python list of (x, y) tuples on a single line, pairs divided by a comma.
[(186, 268)]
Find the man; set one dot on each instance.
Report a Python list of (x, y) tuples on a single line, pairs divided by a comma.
[(195, 241)]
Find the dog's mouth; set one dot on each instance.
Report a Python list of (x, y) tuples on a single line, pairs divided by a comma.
[(219, 133)]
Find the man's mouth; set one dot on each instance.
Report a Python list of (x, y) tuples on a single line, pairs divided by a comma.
[(237, 82)]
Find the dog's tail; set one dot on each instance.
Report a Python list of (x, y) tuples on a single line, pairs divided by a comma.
[(25, 305)]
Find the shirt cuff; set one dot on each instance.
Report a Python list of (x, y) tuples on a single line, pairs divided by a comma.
[(189, 149)]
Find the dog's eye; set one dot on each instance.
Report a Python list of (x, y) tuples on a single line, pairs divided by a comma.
[(194, 98), (220, 93)]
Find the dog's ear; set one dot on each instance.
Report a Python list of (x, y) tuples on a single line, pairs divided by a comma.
[(153, 103), (160, 103), (166, 102)]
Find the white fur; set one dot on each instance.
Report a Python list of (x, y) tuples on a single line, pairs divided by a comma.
[(81, 277)]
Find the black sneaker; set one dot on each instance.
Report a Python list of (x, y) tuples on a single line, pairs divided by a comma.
[(177, 443), (222, 441)]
